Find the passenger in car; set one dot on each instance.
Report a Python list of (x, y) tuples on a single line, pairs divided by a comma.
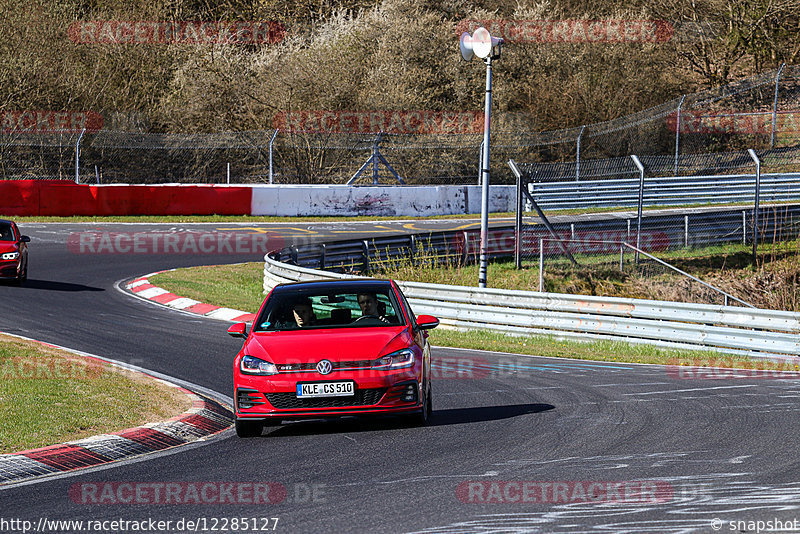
[(303, 312)]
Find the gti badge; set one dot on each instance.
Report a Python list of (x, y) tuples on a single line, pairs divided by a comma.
[(324, 367)]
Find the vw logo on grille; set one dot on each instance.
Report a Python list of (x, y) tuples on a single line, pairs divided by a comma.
[(324, 367)]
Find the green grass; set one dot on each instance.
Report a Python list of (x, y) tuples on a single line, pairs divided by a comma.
[(49, 396), (240, 286), (237, 286)]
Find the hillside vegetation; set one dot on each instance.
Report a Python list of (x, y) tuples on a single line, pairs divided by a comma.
[(377, 55)]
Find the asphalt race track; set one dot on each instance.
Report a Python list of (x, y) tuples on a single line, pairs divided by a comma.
[(532, 436)]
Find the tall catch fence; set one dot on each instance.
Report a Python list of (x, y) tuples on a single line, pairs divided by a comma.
[(762, 113)]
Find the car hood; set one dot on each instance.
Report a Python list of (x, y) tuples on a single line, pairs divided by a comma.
[(8, 246), (310, 346)]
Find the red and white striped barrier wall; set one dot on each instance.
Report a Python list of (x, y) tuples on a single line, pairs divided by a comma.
[(63, 198)]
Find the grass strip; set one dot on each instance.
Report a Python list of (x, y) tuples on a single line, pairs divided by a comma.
[(50, 396), (239, 286)]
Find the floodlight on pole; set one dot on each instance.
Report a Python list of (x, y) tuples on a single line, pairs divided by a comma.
[(482, 45)]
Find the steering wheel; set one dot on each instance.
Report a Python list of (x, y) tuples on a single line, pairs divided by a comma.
[(375, 319)]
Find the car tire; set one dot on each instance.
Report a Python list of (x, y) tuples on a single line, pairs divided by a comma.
[(249, 429), (423, 417)]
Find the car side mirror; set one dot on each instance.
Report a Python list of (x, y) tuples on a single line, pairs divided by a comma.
[(426, 322), (238, 330), (24, 239)]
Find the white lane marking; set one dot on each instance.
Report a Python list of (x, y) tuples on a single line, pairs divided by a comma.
[(693, 389)]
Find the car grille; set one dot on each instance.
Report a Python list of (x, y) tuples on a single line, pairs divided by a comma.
[(301, 367), (289, 401)]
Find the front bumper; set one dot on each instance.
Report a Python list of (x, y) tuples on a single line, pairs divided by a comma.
[(9, 268), (259, 397)]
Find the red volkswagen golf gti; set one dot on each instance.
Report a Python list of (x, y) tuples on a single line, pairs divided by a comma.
[(332, 348)]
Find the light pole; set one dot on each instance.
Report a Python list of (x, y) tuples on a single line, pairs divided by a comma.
[(487, 48)]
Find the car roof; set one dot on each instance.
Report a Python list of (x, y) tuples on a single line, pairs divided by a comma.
[(7, 221), (368, 284)]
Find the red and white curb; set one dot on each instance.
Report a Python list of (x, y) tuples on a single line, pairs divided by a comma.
[(142, 288), (206, 417)]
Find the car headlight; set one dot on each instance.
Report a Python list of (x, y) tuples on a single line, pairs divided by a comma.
[(255, 366), (396, 360), (11, 255)]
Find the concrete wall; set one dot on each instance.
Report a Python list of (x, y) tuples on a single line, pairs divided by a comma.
[(294, 200)]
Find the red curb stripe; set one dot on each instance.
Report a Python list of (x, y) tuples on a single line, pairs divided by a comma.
[(202, 308), (246, 318), (218, 409), (204, 423), (67, 457), (142, 287), (151, 438), (164, 298)]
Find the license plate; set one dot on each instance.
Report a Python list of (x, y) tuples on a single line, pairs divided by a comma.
[(325, 389)]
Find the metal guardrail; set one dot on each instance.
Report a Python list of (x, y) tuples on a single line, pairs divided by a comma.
[(665, 191), (742, 331)]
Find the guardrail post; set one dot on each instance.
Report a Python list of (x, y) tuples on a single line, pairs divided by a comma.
[(322, 256), (641, 199), (78, 156), (755, 204), (293, 252), (365, 254), (412, 247), (744, 227), (775, 107), (271, 142), (686, 231), (621, 258), (466, 248), (541, 265)]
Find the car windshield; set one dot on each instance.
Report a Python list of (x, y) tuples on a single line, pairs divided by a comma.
[(352, 307), (6, 232)]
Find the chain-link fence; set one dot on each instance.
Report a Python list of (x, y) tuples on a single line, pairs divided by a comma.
[(48, 156), (762, 113)]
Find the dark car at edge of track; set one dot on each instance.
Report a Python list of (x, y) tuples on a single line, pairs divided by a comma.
[(13, 252), (332, 348)]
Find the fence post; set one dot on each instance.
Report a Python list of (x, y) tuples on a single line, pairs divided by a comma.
[(228, 173), (480, 164), (755, 204), (621, 258), (271, 142), (775, 107), (518, 226), (678, 134), (78, 156), (641, 200), (578, 155)]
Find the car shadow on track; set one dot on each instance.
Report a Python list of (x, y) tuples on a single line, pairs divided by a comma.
[(51, 285), (456, 416)]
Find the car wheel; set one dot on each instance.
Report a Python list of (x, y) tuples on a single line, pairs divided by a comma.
[(249, 429), (422, 418)]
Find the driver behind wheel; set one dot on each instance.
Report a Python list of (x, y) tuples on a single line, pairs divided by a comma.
[(368, 302)]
